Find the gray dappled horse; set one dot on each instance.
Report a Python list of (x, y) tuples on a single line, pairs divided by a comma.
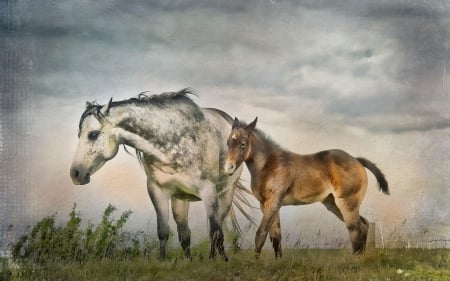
[(280, 177), (182, 148)]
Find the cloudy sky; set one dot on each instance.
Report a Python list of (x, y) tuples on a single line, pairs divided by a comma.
[(369, 77)]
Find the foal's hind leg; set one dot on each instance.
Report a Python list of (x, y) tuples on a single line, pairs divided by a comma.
[(275, 235), (357, 226), (180, 209), (331, 206)]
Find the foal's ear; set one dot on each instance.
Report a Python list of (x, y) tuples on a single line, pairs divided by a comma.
[(250, 127), (105, 109), (235, 123)]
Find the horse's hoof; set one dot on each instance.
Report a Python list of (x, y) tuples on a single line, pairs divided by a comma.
[(359, 251), (278, 255), (257, 255)]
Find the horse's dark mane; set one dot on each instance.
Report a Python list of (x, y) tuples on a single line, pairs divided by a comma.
[(160, 99), (93, 108)]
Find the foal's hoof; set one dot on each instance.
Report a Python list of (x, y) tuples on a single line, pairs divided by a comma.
[(257, 255)]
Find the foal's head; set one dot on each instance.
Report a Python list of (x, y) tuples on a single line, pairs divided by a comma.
[(239, 145)]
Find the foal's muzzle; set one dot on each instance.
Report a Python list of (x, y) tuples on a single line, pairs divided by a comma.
[(230, 167)]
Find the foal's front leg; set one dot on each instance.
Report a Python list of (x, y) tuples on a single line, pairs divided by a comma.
[(270, 210), (275, 235)]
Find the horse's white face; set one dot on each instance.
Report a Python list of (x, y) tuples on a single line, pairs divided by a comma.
[(97, 144)]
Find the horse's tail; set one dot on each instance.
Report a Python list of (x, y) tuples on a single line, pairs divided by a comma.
[(240, 199), (240, 192), (382, 182)]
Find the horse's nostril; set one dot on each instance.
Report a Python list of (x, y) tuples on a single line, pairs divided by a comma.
[(75, 173)]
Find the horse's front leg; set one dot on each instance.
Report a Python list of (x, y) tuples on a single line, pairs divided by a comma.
[(208, 195), (180, 210), (160, 200), (270, 209)]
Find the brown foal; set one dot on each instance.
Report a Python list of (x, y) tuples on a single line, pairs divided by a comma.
[(280, 177)]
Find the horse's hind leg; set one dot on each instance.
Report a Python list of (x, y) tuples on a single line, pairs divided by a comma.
[(180, 209), (357, 226), (275, 235)]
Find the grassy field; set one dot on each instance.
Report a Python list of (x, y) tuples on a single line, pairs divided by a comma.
[(105, 252), (310, 264)]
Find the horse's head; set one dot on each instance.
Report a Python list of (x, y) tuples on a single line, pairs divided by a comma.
[(97, 143), (239, 145)]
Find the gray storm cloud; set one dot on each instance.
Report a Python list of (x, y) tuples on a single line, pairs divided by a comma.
[(367, 76)]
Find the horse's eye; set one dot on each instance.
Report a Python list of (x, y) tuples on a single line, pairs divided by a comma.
[(93, 135)]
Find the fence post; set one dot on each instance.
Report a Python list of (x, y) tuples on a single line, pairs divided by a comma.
[(371, 236)]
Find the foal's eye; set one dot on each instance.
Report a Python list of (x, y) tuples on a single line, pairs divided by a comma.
[(93, 135)]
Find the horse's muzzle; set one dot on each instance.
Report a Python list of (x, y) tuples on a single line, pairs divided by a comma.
[(78, 177)]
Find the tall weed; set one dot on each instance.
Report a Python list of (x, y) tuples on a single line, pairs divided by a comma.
[(69, 242)]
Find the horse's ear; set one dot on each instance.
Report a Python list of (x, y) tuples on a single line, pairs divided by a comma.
[(235, 123), (88, 105), (105, 109), (250, 127)]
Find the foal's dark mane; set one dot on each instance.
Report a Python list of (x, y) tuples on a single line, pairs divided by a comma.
[(261, 134), (159, 100)]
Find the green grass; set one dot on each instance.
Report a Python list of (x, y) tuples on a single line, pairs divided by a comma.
[(104, 252), (308, 264)]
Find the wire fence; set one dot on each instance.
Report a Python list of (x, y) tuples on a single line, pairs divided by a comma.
[(11, 233), (406, 244)]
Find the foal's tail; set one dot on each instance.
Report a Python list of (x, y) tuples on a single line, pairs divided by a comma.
[(382, 183)]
